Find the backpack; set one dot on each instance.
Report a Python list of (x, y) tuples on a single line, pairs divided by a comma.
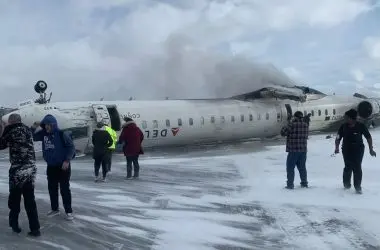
[(63, 141)]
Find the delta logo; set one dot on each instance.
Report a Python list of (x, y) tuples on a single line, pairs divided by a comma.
[(175, 131)]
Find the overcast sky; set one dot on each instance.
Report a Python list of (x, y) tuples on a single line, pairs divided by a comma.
[(88, 49)]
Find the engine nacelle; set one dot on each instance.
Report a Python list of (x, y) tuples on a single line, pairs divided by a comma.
[(368, 109)]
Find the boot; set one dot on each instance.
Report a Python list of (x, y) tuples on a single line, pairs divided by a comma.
[(35, 233)]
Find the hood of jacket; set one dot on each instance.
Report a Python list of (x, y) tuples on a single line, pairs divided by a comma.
[(130, 124), (49, 119)]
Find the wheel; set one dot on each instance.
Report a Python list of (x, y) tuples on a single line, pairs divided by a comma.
[(40, 87)]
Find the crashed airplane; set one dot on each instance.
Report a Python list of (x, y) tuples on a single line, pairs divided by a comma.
[(258, 114)]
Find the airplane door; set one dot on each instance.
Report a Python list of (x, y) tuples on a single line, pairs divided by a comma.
[(101, 113), (289, 111)]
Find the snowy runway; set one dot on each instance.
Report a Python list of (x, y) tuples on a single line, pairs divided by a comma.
[(235, 200)]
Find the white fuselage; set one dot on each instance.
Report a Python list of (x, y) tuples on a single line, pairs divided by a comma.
[(184, 122)]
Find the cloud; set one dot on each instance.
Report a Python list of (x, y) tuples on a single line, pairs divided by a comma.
[(372, 45), (149, 49), (358, 75)]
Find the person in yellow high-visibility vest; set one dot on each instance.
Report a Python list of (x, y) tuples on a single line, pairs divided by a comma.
[(112, 148)]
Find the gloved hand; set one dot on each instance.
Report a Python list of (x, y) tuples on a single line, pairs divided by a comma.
[(372, 152), (36, 124)]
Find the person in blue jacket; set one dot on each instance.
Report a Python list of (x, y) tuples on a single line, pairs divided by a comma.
[(58, 150)]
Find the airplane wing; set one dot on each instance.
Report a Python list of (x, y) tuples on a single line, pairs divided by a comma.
[(295, 93)]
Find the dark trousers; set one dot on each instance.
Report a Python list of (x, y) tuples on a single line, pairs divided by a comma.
[(56, 176), (353, 158), (109, 159), (136, 167), (103, 161), (14, 200), (296, 159)]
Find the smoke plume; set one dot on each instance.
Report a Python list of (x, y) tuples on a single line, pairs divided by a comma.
[(185, 70)]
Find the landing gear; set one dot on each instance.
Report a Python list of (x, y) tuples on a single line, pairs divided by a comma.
[(40, 87)]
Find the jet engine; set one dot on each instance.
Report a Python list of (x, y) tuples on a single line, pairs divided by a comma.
[(368, 109)]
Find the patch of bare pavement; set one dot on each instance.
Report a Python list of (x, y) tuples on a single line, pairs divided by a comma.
[(177, 204)]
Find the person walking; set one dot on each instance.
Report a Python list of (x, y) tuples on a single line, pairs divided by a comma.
[(22, 173), (111, 148), (297, 132), (131, 137), (101, 140), (352, 132), (58, 151)]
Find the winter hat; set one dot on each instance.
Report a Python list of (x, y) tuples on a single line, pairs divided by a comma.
[(298, 114), (352, 114), (14, 118), (127, 119), (99, 125)]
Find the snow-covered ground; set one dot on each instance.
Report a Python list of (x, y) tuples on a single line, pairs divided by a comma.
[(231, 201)]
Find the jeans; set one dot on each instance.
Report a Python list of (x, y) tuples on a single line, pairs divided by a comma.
[(296, 159), (136, 166)]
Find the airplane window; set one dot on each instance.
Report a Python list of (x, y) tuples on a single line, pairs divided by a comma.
[(212, 119), (326, 112), (250, 117), (155, 124), (179, 122), (232, 118), (202, 120), (191, 121), (222, 120), (259, 117), (167, 123), (334, 111), (242, 118), (312, 113), (319, 113), (267, 116), (144, 125)]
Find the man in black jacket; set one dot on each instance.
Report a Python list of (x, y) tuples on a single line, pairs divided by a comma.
[(22, 173), (352, 133), (101, 140)]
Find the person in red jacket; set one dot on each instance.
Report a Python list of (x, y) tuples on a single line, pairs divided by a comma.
[(131, 137)]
